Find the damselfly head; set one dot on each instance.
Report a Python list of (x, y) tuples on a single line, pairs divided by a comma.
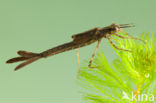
[(113, 28)]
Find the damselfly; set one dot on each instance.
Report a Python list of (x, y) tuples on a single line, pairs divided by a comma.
[(79, 40)]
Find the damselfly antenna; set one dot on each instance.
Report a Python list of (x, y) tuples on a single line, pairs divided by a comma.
[(126, 25)]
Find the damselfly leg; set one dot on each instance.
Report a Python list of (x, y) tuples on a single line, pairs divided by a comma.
[(111, 42), (128, 37), (91, 59), (78, 60)]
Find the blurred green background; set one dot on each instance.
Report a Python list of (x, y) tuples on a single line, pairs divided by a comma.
[(37, 25)]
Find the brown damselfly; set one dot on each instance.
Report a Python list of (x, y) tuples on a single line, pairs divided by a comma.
[(79, 40)]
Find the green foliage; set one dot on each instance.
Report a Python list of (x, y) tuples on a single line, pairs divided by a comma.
[(130, 78)]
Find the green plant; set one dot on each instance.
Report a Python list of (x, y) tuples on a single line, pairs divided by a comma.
[(131, 78)]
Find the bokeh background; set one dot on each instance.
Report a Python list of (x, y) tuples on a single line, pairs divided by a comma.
[(37, 25)]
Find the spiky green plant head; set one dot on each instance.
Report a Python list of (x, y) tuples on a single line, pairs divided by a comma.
[(132, 73)]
